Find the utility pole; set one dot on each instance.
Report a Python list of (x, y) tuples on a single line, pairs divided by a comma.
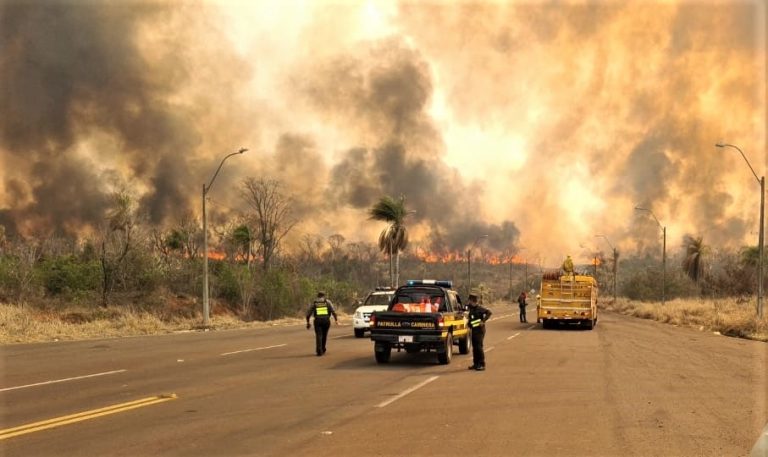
[(761, 235), (206, 189)]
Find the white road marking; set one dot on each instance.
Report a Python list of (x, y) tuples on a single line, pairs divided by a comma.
[(339, 336), (254, 349), (531, 326), (63, 380), (490, 349), (516, 334), (406, 392), (499, 317)]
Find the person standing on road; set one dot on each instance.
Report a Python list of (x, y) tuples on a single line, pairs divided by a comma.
[(477, 317), (522, 301), (322, 310)]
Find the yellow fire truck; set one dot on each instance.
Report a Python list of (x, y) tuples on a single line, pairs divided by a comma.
[(567, 298)]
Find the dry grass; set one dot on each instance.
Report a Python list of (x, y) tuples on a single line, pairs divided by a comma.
[(726, 316), (29, 325)]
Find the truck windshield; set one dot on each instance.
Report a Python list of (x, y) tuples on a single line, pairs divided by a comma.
[(378, 300)]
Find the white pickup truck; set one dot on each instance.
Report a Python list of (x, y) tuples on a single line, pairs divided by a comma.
[(378, 300)]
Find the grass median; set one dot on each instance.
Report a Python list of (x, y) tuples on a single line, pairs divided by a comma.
[(30, 325), (729, 317)]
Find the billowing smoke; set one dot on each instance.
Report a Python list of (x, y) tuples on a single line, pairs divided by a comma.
[(384, 94), (86, 108), (618, 105), (533, 123)]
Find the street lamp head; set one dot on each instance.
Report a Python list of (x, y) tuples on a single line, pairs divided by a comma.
[(639, 208), (242, 150), (719, 145)]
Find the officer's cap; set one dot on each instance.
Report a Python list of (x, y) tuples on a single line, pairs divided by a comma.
[(320, 293), (471, 296)]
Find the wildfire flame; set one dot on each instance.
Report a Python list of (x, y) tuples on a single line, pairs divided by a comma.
[(456, 256), (214, 255)]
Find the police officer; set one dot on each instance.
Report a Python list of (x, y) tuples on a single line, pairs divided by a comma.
[(522, 301), (322, 310), (477, 317)]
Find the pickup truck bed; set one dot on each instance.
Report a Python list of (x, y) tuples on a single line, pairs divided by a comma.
[(438, 328)]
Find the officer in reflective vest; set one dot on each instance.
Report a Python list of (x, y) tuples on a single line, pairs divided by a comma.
[(322, 310), (477, 317)]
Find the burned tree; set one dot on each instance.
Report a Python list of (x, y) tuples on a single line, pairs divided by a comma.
[(270, 217)]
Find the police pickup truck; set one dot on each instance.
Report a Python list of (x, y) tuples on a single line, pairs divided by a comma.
[(424, 315)]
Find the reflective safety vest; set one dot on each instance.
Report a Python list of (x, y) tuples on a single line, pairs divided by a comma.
[(321, 309), (476, 322)]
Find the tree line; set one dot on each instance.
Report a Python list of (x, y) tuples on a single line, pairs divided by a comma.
[(128, 262)]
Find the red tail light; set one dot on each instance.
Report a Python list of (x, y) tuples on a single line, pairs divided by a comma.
[(440, 321), (373, 320)]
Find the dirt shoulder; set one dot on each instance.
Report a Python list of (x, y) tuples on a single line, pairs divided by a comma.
[(725, 316)]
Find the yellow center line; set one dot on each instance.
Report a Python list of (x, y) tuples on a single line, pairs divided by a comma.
[(82, 416)]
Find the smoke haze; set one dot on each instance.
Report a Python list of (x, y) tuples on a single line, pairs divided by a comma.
[(536, 124)]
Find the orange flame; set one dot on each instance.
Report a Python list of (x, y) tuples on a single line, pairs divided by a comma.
[(457, 256), (214, 255)]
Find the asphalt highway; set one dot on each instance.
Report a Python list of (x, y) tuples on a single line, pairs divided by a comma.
[(627, 388)]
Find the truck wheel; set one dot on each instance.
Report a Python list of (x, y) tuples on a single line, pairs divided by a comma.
[(382, 351), (445, 357), (545, 323), (465, 344), (359, 333)]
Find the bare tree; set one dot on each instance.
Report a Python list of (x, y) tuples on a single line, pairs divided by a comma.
[(311, 246), (25, 254), (116, 241), (270, 215), (336, 242)]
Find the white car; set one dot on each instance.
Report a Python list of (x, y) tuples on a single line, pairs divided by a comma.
[(377, 300)]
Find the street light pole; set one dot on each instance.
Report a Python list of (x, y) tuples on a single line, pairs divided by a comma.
[(663, 255), (615, 265), (206, 189), (469, 263), (761, 235)]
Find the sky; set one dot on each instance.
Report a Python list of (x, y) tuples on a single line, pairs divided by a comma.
[(539, 124)]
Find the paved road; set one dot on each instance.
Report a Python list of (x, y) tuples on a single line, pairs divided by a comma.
[(629, 387)]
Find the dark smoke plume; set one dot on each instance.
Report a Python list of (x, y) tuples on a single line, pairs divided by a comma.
[(74, 71), (384, 95)]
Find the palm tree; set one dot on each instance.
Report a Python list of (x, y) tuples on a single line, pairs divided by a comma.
[(693, 264), (394, 238)]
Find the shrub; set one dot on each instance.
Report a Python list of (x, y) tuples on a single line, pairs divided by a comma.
[(67, 274)]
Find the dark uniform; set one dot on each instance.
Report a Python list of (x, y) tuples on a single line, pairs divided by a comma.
[(521, 301), (322, 310), (477, 317)]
